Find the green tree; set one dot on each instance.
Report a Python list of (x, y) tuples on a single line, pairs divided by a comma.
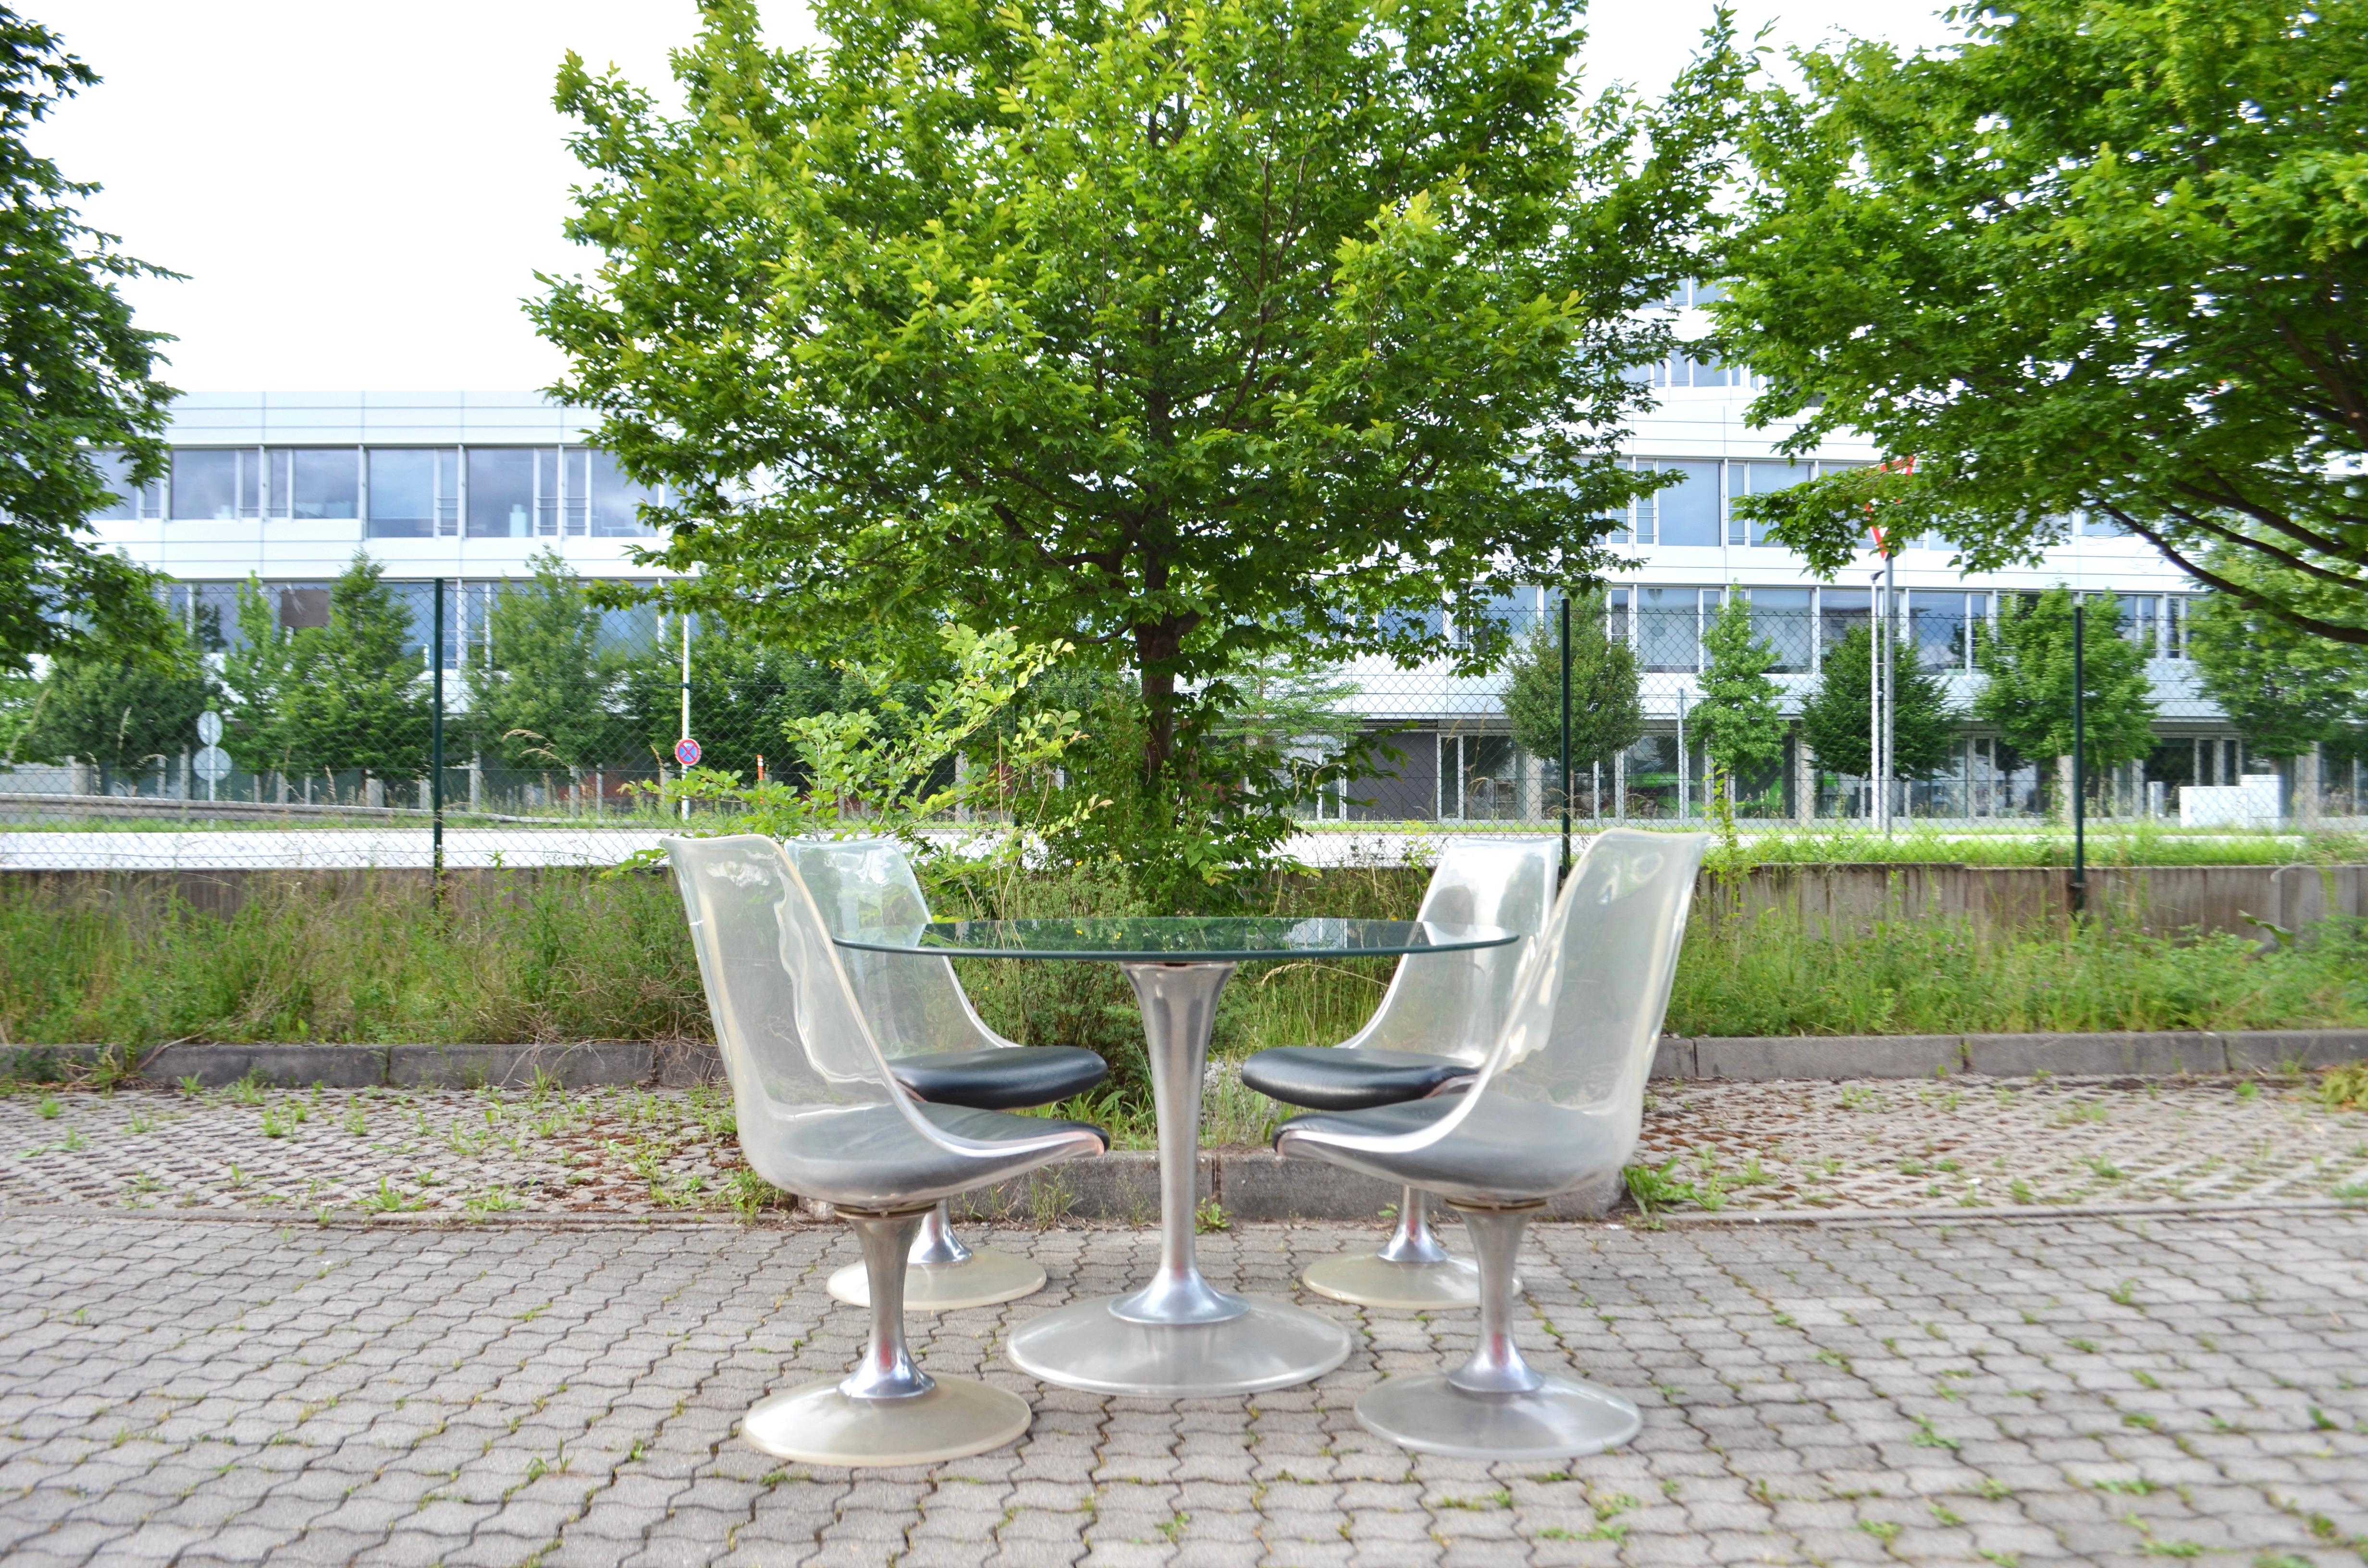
[(2028, 694), (548, 699), (123, 710), (74, 375), (744, 695), (1607, 715), (2104, 257), (256, 675), (2286, 690), (354, 693), (1189, 334), (1738, 718), (1837, 717)]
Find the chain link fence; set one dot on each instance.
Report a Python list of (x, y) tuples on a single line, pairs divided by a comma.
[(305, 720)]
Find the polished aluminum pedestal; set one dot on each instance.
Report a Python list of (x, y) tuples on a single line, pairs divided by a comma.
[(1412, 1272), (887, 1411), (1495, 1406), (942, 1275), (1178, 1337)]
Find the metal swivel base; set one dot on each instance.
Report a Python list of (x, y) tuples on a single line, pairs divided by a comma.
[(1560, 1418), (1273, 1345), (1447, 1286), (983, 1278), (816, 1424)]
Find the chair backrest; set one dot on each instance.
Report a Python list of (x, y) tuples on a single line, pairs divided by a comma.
[(1453, 1005), (1586, 1010), (794, 1042), (912, 1002)]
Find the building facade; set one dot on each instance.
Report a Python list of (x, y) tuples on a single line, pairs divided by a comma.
[(472, 487)]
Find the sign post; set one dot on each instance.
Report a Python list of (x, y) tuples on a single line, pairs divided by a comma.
[(211, 763)]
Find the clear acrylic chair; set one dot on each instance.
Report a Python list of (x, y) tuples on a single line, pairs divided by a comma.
[(820, 1114), (1435, 1024), (1558, 1101), (940, 1048)]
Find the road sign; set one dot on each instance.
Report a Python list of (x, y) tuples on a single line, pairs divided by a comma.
[(686, 752), (210, 727), (212, 764)]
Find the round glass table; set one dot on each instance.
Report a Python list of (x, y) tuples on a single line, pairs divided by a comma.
[(1178, 1335)]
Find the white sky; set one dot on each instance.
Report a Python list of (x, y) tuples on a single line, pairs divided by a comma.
[(361, 194)]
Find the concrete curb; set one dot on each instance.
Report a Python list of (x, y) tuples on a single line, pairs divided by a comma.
[(2144, 1056), (1744, 1058)]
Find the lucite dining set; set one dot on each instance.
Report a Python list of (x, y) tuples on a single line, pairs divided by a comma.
[(1506, 1065)]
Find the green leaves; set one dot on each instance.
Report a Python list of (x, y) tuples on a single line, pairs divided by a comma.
[(1837, 717), (1191, 335), (2105, 257), (2029, 694), (76, 375)]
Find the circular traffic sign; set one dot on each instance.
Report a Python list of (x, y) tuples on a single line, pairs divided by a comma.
[(210, 727), (212, 764), (686, 752)]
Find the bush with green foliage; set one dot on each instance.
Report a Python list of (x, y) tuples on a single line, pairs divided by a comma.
[(1607, 713), (2028, 696), (1837, 717), (126, 712), (352, 694), (1738, 717), (2285, 690)]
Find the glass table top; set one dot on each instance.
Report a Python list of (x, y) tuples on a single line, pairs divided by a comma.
[(1187, 938)]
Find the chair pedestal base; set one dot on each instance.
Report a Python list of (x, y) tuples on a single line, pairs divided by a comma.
[(983, 1278), (817, 1424), (1370, 1280), (1560, 1418)]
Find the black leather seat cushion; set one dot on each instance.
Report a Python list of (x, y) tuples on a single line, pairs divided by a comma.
[(1323, 1077), (870, 1157), (1508, 1152), (1009, 1078)]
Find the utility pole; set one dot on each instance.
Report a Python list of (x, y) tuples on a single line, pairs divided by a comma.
[(435, 745), (1566, 735), (686, 698), (2079, 758)]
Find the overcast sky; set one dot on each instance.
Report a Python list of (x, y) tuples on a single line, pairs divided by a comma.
[(360, 195)]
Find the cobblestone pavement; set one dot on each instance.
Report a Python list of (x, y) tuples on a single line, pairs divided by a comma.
[(1869, 1143), (1971, 1143), (2011, 1391)]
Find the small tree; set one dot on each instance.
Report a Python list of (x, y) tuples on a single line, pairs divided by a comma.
[(2028, 693), (2286, 690), (1739, 716), (1838, 716), (1607, 715), (549, 697), (351, 693), (124, 712)]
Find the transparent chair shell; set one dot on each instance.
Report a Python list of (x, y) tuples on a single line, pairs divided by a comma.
[(916, 1007), (819, 1114), (1446, 1005), (1558, 1100)]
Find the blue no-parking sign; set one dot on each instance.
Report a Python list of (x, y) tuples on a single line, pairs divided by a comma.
[(686, 752)]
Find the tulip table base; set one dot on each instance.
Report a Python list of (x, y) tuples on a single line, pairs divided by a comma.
[(983, 1278), (1370, 1280), (1271, 1345), (818, 1424)]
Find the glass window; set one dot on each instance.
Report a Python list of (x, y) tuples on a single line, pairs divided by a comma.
[(1669, 628), (2174, 641), (1412, 622), (128, 503), (1513, 615), (1939, 627), (205, 483), (500, 491), (413, 492), (1840, 610), (2141, 618), (616, 500), (575, 490), (1780, 618), (1688, 512), (1762, 479), (315, 482), (302, 604)]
